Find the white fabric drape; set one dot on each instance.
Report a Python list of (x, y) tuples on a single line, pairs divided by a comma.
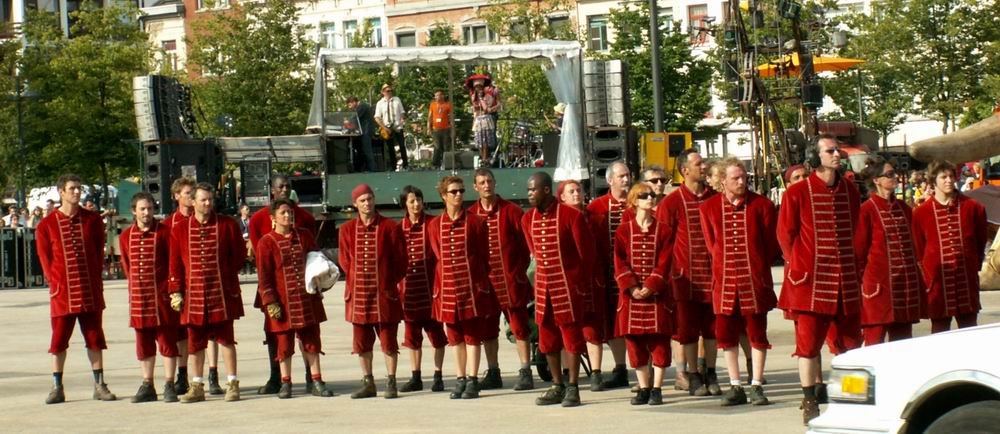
[(564, 79)]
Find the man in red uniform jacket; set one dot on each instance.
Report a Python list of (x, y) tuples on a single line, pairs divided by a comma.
[(691, 273), (890, 287), (291, 311), (416, 290), (206, 254), (822, 283), (373, 258), (739, 228), (145, 253), (560, 240), (182, 190), (463, 297), (260, 225), (949, 232), (70, 243), (509, 258), (606, 211)]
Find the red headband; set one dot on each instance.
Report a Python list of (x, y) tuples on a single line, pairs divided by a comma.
[(361, 190)]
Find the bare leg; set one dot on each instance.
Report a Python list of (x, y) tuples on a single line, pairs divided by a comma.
[(197, 359), (286, 368), (759, 356), (678, 351), (438, 358), (710, 352), (617, 350), (596, 354), (416, 357), (213, 354), (313, 360), (732, 356), (523, 352), (182, 348), (58, 361), (229, 357), (808, 371), (366, 363), (658, 376), (148, 364), (472, 361), (492, 348), (555, 362), (169, 367), (460, 359), (642, 374), (390, 363), (574, 368), (691, 356), (96, 358)]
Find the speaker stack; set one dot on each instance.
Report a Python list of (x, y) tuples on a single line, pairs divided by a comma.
[(606, 90), (608, 145), (162, 108)]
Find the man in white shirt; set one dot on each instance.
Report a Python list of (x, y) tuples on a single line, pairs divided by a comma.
[(390, 115), (13, 219)]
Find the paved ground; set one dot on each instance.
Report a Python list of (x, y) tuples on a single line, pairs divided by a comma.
[(25, 380)]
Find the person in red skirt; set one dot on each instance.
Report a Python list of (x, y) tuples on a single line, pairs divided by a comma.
[(949, 233), (416, 290), (642, 260), (890, 285), (291, 311)]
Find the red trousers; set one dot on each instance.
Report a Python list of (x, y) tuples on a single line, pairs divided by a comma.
[(944, 324), (641, 347), (694, 319), (90, 326), (148, 339), (553, 338), (199, 335), (729, 327), (875, 334), (413, 334), (308, 335), (811, 328), (472, 331), (520, 326), (364, 337)]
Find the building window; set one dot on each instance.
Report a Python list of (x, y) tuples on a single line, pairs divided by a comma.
[(328, 35), (477, 34), (212, 4), (350, 28), (559, 24), (408, 39), (170, 53), (696, 20), (666, 19), (375, 26), (597, 32)]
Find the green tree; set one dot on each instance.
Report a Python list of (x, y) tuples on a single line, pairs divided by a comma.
[(684, 79), (254, 65), (10, 159), (84, 118)]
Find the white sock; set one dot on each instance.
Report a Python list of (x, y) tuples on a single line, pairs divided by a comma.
[(198, 379), (231, 378), (735, 383), (756, 383)]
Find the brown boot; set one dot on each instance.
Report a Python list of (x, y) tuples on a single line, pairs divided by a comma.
[(367, 389), (810, 410), (233, 391), (681, 381), (195, 393)]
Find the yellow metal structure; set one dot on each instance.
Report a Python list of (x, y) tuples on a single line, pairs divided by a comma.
[(662, 149)]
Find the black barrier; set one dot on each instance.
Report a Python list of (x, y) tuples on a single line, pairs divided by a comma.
[(19, 264)]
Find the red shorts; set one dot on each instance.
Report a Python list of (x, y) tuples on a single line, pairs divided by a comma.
[(517, 317), (309, 335), (694, 319), (90, 326), (364, 338), (641, 347), (594, 330), (729, 327), (553, 338), (413, 334), (875, 334), (199, 335), (811, 328), (472, 331), (148, 339)]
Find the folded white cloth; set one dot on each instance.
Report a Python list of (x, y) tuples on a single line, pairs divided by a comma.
[(321, 273)]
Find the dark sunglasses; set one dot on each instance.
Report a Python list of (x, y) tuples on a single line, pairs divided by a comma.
[(646, 195), (456, 192), (832, 151), (889, 174), (657, 180)]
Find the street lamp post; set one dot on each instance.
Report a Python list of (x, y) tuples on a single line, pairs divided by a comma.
[(22, 198)]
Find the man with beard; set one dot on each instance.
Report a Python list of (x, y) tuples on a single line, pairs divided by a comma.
[(182, 191)]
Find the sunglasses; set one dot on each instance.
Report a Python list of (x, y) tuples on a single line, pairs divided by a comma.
[(832, 151), (889, 174), (645, 196), (657, 180), (456, 192)]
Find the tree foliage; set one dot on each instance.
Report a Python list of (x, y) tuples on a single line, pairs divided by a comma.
[(253, 63), (83, 119)]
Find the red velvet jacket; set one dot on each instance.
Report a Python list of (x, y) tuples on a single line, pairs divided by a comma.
[(815, 230), (281, 275), (642, 260), (373, 258), (173, 219), (146, 261), (205, 263), (71, 251), (602, 301), (417, 289), (691, 267), (605, 213), (950, 242), (560, 240), (890, 286), (462, 289), (742, 240), (260, 225), (509, 255)]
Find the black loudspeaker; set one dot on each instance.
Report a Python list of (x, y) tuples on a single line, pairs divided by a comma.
[(163, 108), (33, 276), (812, 95), (550, 149), (9, 255), (255, 183), (338, 155), (165, 162), (608, 146)]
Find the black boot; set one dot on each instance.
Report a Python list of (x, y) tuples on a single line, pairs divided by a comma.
[(459, 388), (438, 384), (619, 378), (757, 396), (734, 396), (554, 395), (170, 392), (821, 395), (319, 389), (572, 397), (309, 378), (524, 380), (274, 380), (414, 384), (146, 393), (285, 391), (492, 379), (181, 384), (712, 382), (596, 380), (367, 389), (641, 397), (471, 388), (656, 396), (697, 384), (390, 388), (213, 382)]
